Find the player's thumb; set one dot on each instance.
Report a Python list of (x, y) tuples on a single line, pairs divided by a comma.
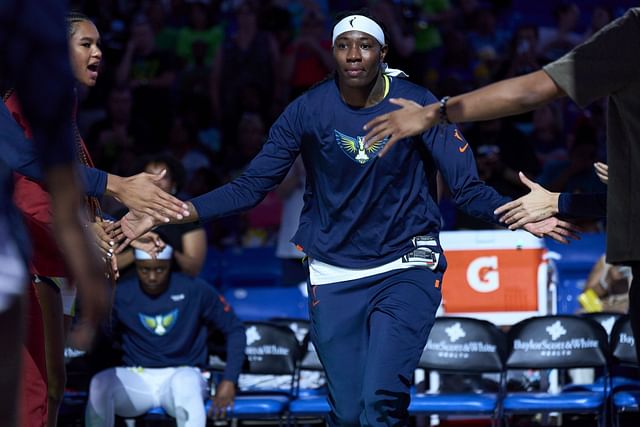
[(526, 181)]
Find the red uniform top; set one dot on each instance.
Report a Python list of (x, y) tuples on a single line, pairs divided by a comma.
[(34, 203)]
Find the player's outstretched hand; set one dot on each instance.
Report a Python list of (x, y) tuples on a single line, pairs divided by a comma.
[(539, 204), (222, 402), (149, 242), (557, 229), (133, 225), (103, 238), (411, 119), (141, 193)]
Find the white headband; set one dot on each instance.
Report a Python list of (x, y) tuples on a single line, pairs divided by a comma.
[(369, 26), (166, 253), (358, 23)]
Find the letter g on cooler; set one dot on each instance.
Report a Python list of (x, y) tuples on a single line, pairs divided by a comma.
[(483, 275)]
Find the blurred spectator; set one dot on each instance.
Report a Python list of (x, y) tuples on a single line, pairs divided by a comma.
[(456, 68), (258, 226), (112, 136), (606, 288), (505, 152), (276, 19), (600, 17), (250, 136), (308, 59), (193, 86), (202, 180), (263, 222), (166, 37), (200, 30), (487, 40), (189, 240), (151, 73), (184, 146), (245, 74), (401, 39), (522, 57), (431, 16), (547, 135), (556, 41), (575, 174), (297, 9), (501, 152)]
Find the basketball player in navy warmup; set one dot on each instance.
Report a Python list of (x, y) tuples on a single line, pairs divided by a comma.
[(369, 228)]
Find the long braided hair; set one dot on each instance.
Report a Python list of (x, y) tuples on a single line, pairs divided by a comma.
[(72, 19)]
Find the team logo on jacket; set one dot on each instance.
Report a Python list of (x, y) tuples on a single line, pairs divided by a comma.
[(159, 324), (353, 147)]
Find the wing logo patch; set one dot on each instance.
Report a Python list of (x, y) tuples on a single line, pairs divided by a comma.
[(353, 147), (159, 324)]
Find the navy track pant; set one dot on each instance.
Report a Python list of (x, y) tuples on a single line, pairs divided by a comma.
[(369, 334)]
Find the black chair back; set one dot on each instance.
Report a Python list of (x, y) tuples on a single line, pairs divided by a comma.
[(271, 349), (464, 344), (606, 319), (549, 342), (623, 346)]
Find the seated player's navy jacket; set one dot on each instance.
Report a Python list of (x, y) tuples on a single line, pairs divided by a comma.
[(171, 329), (360, 210)]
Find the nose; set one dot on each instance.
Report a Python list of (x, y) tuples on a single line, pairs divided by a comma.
[(353, 53), (152, 276), (97, 53)]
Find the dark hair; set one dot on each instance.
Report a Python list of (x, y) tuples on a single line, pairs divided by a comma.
[(74, 17)]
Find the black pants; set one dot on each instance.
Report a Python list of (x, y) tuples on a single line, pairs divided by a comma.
[(634, 305)]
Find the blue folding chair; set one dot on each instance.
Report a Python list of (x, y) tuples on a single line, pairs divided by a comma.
[(558, 342), (463, 346), (299, 326), (211, 269), (607, 320), (311, 400), (271, 350), (310, 389), (250, 267), (265, 303)]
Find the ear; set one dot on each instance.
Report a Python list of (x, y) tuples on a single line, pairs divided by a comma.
[(383, 52)]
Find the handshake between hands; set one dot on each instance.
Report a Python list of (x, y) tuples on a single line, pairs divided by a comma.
[(536, 213)]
